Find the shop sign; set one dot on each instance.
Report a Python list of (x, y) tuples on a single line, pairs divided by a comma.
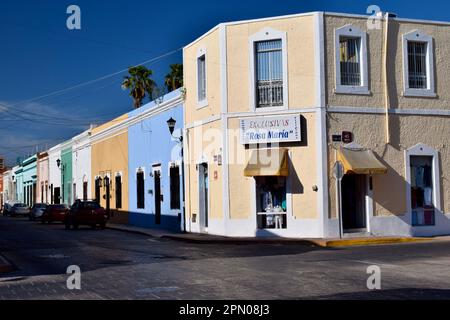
[(347, 137), (270, 129), (336, 138)]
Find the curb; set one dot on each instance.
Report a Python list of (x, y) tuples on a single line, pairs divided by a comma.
[(323, 243), (5, 266), (374, 241), (130, 231), (244, 241)]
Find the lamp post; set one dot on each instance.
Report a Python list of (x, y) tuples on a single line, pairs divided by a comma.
[(58, 163), (171, 123)]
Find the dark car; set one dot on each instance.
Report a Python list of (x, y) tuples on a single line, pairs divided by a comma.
[(86, 213), (37, 211), (55, 213), (7, 209), (20, 209)]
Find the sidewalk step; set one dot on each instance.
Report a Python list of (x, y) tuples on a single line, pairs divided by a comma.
[(213, 239)]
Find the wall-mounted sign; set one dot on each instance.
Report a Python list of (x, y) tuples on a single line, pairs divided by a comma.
[(336, 138), (218, 159), (347, 137), (270, 129)]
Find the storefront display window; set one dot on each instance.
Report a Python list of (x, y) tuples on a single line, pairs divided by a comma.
[(422, 191), (271, 202)]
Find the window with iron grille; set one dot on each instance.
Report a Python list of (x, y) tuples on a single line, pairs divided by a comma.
[(201, 77), (98, 183), (175, 187), (350, 61), (118, 192), (417, 65), (269, 73), (140, 190)]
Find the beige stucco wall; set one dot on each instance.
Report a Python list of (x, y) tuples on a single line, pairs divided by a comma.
[(301, 65), (210, 43), (375, 47), (110, 155), (389, 190), (204, 142), (303, 174), (109, 124)]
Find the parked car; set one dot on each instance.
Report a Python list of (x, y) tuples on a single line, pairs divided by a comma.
[(37, 211), (55, 213), (7, 208), (86, 213), (20, 209)]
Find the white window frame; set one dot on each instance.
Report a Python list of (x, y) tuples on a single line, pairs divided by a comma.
[(423, 150), (176, 163), (418, 36), (267, 34), (351, 31), (139, 169), (204, 102)]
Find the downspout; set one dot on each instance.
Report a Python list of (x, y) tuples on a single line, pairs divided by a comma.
[(386, 87)]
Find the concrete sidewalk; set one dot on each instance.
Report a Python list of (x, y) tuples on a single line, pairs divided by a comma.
[(212, 239)]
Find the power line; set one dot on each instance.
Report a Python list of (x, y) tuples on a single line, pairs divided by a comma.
[(58, 92)]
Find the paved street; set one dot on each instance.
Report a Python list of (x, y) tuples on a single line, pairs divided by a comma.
[(119, 265)]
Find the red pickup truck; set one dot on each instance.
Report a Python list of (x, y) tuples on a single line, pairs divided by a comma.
[(86, 213)]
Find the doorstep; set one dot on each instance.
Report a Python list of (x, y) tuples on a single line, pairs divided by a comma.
[(213, 239), (5, 266)]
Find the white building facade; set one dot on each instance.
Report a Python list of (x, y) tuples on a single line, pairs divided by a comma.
[(81, 171), (54, 154)]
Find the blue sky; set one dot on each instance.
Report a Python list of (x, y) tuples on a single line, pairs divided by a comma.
[(39, 55)]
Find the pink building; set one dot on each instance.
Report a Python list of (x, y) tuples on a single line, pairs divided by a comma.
[(42, 192)]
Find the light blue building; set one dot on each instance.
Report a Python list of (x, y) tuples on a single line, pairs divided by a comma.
[(25, 178), (155, 164)]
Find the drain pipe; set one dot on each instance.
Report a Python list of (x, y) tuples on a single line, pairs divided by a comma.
[(386, 87)]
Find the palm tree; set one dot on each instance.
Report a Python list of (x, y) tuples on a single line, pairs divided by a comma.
[(139, 83), (174, 79)]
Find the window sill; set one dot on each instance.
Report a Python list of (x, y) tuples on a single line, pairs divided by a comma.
[(352, 90), (269, 109), (202, 104), (419, 93)]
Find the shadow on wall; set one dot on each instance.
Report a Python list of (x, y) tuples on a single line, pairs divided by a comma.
[(296, 186), (383, 195), (394, 122)]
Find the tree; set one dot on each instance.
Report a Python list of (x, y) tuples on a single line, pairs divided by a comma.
[(174, 79), (139, 83)]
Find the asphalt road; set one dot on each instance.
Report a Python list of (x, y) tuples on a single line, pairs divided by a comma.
[(120, 265)]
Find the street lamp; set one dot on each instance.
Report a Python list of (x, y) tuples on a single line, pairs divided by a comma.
[(171, 124), (58, 163)]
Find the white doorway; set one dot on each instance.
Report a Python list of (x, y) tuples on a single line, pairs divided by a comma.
[(203, 182)]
